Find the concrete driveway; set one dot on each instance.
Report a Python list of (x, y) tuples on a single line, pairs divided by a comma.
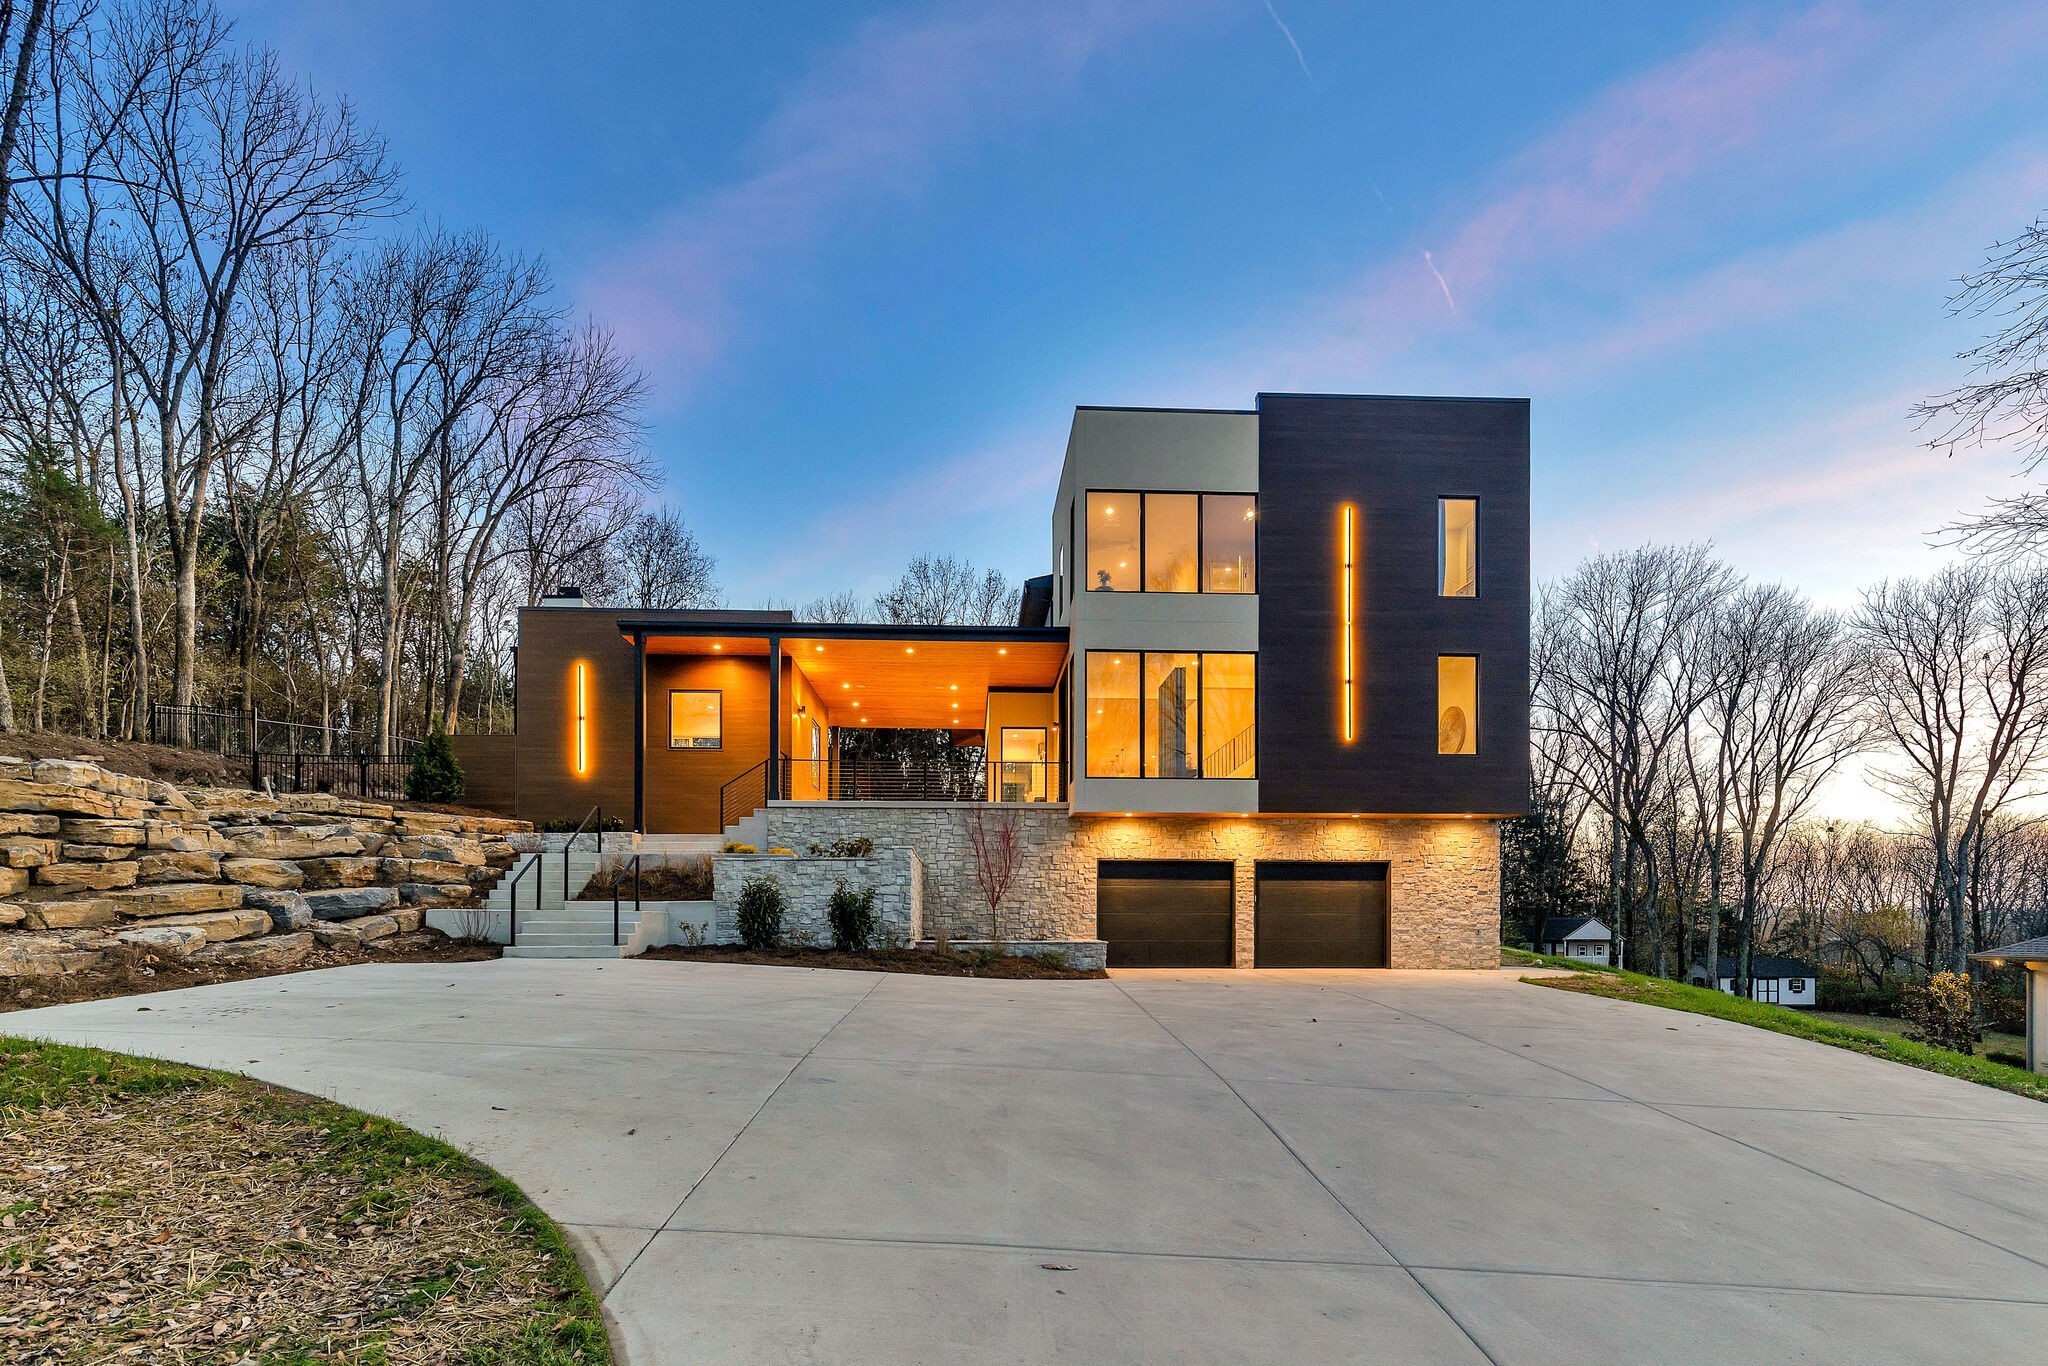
[(779, 1165)]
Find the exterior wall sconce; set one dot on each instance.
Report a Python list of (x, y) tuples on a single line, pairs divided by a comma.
[(1348, 593), (582, 718)]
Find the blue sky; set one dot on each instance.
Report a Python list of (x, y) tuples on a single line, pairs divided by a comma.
[(872, 256)]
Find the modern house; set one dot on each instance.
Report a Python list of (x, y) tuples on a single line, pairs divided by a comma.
[(1266, 709), (2031, 954), (1576, 936), (1779, 981)]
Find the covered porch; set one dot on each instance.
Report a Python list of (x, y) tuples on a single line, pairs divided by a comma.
[(738, 715)]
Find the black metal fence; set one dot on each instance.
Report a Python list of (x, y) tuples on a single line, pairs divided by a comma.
[(234, 733), (372, 779)]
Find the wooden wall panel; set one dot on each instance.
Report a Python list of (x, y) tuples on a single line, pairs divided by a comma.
[(1391, 458), (551, 642), (487, 771), (683, 784)]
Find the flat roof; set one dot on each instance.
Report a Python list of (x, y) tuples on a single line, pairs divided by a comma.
[(834, 630)]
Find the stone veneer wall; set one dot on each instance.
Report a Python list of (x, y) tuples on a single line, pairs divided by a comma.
[(895, 872), (1443, 878)]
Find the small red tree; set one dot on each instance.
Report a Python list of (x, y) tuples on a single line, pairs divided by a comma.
[(998, 854)]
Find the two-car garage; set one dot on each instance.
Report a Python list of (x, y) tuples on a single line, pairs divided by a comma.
[(1181, 913)]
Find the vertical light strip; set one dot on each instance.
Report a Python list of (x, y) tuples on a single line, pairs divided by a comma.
[(582, 722), (1350, 594)]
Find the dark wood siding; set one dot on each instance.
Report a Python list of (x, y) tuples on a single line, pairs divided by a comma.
[(1391, 458), (1320, 915), (551, 642), (1162, 914), (486, 771)]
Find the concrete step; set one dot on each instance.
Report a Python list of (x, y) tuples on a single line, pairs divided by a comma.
[(523, 950)]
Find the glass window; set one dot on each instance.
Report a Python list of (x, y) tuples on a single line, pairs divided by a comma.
[(1457, 547), (1173, 695), (1230, 529), (1112, 702), (1229, 709), (695, 720), (1173, 540), (1113, 543), (1457, 704)]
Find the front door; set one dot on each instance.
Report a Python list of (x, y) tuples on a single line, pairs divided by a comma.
[(1021, 774)]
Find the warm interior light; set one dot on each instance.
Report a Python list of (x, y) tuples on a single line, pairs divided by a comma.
[(846, 685), (582, 718), (716, 646), (1348, 575), (909, 650), (1003, 650)]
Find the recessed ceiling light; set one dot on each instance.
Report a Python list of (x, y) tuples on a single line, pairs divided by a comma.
[(910, 649), (956, 687), (1004, 650), (846, 685), (717, 647)]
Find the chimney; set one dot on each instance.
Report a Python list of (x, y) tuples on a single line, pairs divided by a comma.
[(568, 595)]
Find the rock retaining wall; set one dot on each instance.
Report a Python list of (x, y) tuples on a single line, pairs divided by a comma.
[(95, 863)]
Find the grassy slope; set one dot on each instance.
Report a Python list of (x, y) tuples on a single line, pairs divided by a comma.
[(385, 1155), (1594, 980)]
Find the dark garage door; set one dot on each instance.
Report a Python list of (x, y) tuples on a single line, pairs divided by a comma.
[(1321, 915), (1164, 915)]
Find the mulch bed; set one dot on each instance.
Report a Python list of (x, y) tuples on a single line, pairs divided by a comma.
[(424, 946), (152, 1212), (925, 961)]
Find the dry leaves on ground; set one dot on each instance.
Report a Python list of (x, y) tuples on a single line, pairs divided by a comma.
[(213, 1219)]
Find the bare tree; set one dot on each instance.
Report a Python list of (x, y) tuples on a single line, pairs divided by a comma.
[(999, 848), (1621, 672), (1956, 682), (939, 590), (2006, 396), (664, 565)]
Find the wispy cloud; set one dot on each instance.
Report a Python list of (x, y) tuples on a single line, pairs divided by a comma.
[(870, 123), (1441, 282), (1288, 34)]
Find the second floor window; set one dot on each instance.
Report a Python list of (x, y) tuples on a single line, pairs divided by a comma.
[(1457, 704), (1160, 714), (1171, 543), (1457, 547)]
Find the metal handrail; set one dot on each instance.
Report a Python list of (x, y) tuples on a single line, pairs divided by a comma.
[(596, 813), (728, 804), (512, 890), (620, 876), (969, 778)]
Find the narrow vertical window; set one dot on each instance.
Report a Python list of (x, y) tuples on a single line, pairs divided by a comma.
[(1457, 547), (1230, 530), (1173, 542), (1111, 699), (1457, 704), (1113, 543), (1229, 713), (1172, 715), (1347, 594), (582, 718)]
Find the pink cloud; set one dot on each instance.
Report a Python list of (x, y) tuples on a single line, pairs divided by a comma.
[(872, 122)]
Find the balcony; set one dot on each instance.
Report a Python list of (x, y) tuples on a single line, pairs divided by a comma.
[(966, 776)]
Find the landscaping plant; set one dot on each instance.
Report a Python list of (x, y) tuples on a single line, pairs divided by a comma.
[(760, 912), (435, 776), (1943, 1013), (853, 917)]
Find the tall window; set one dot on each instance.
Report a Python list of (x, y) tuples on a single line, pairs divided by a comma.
[(1170, 543), (1457, 704), (1457, 547), (1230, 532), (1156, 714), (1229, 710), (1112, 702), (1113, 542), (1173, 542), (695, 719), (1173, 699)]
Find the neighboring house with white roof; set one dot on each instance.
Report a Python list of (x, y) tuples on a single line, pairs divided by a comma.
[(1779, 981)]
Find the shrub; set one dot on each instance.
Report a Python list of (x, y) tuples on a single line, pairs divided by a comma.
[(760, 913), (1854, 996), (2004, 1012), (863, 847), (435, 776), (562, 825), (678, 879), (853, 917), (1942, 1013), (787, 853), (2000, 1055), (735, 847)]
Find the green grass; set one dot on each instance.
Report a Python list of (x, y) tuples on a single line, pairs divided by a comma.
[(1614, 984), (567, 1331)]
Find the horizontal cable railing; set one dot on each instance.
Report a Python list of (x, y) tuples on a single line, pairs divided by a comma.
[(963, 779), (741, 797), (234, 732)]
